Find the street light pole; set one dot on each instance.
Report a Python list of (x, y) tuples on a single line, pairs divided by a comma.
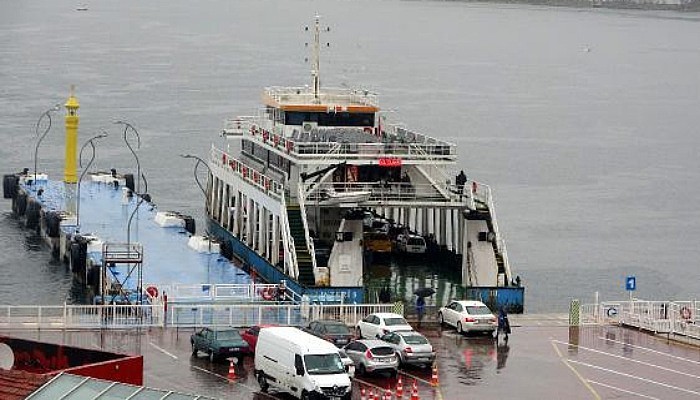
[(47, 114), (196, 177), (90, 142), (128, 126)]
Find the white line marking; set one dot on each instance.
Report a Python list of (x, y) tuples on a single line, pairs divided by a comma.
[(634, 377), (650, 350), (632, 360), (418, 378), (162, 350), (623, 390)]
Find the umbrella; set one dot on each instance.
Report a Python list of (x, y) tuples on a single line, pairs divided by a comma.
[(424, 292)]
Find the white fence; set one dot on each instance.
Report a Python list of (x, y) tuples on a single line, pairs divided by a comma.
[(673, 317), (179, 315), (216, 292)]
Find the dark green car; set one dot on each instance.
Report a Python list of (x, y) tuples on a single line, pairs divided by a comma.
[(219, 343)]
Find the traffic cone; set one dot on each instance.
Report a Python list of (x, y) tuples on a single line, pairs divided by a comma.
[(363, 394), (414, 392), (399, 388), (387, 393), (434, 380), (415, 386), (231, 371), (371, 394)]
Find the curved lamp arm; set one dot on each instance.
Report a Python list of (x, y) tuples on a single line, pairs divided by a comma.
[(90, 142), (41, 137)]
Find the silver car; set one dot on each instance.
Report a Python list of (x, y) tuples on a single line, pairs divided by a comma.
[(372, 356), (411, 348)]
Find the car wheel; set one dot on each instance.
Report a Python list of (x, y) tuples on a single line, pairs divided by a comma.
[(358, 332), (393, 373), (361, 370), (459, 328), (263, 382), (304, 395), (441, 319), (194, 350)]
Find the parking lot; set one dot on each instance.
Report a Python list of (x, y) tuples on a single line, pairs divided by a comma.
[(541, 359)]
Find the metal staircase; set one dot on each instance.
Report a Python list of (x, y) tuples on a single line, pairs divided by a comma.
[(304, 261)]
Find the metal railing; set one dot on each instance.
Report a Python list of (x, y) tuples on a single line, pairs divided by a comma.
[(672, 317), (250, 175), (180, 315), (290, 254), (378, 192), (309, 241), (214, 292), (500, 242)]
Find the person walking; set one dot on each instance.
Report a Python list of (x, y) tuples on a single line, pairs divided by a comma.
[(461, 180), (420, 309), (503, 323)]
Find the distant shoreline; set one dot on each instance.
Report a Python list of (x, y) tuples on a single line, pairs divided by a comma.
[(691, 6)]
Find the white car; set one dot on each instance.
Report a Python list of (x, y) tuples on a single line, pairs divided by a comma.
[(379, 324), (468, 316), (412, 244)]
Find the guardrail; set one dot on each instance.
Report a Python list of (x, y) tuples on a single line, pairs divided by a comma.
[(215, 292), (672, 317), (180, 315)]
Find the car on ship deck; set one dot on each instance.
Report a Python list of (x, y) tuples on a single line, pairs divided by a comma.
[(378, 324), (411, 348), (333, 331)]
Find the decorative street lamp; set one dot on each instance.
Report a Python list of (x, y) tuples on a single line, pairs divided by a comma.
[(46, 114), (90, 142), (196, 177)]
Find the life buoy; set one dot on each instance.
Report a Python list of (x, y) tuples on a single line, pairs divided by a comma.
[(686, 313), (268, 293), (152, 291)]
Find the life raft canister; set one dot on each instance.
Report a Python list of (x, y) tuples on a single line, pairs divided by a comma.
[(267, 293), (152, 291)]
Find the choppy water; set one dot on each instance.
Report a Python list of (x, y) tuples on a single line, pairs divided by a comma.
[(583, 121)]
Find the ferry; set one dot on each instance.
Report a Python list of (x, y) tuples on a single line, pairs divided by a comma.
[(313, 162), (302, 200)]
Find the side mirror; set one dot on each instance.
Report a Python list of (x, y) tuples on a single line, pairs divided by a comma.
[(300, 371)]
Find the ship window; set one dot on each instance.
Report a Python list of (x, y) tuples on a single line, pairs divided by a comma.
[(329, 119)]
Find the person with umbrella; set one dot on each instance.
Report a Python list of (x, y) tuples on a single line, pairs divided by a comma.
[(422, 293)]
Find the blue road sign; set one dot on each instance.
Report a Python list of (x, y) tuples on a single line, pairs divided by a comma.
[(631, 283)]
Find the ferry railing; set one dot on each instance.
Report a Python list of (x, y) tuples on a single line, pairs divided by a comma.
[(334, 96), (255, 178), (180, 315), (669, 317), (214, 292), (500, 242), (379, 191), (290, 254), (244, 315), (81, 316), (309, 241)]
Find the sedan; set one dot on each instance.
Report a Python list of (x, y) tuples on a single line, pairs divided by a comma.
[(372, 356), (378, 324), (219, 343), (335, 332), (468, 316), (250, 335), (411, 348)]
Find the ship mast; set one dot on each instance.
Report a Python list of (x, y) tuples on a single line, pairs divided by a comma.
[(316, 60)]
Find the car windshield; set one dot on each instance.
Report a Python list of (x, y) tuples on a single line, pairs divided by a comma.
[(337, 329), (415, 339), (227, 335), (478, 310), (319, 364), (395, 321)]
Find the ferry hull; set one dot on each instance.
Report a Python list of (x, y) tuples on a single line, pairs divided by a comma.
[(271, 274)]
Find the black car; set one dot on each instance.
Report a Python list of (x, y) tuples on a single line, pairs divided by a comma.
[(335, 332)]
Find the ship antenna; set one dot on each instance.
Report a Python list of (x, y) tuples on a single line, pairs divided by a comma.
[(316, 58)]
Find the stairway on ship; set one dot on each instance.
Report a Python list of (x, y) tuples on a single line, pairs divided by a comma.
[(483, 213), (296, 227)]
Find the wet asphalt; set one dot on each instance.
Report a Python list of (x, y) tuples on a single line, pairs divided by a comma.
[(543, 358)]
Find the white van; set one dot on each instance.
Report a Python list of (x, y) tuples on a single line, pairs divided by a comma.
[(301, 364)]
